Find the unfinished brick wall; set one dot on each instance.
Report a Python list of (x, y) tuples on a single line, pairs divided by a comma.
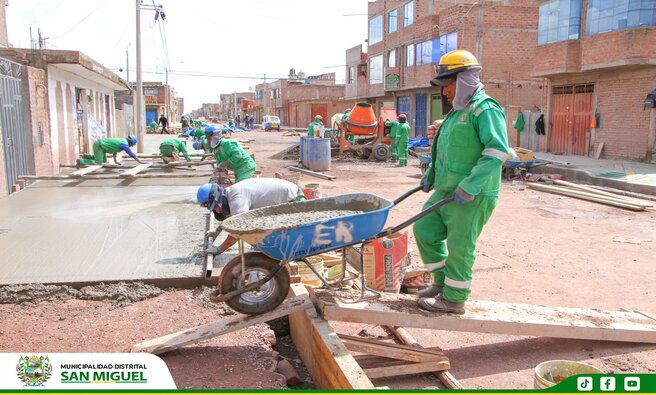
[(38, 122)]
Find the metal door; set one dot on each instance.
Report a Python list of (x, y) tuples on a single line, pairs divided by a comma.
[(151, 116), (403, 106), (572, 111), (421, 116), (11, 122)]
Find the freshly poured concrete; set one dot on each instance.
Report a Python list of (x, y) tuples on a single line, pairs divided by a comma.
[(102, 230)]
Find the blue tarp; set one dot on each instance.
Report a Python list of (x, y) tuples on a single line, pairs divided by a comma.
[(417, 142)]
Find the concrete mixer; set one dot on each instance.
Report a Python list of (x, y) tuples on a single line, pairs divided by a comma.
[(369, 137)]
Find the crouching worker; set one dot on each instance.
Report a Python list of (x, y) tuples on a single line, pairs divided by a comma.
[(242, 197), (171, 150), (230, 155), (109, 145)]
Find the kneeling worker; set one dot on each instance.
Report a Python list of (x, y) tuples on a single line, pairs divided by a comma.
[(169, 148), (109, 145), (245, 196), (230, 155)]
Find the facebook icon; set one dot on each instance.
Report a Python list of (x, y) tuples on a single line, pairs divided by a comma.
[(607, 383)]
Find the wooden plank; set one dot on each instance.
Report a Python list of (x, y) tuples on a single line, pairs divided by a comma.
[(313, 173), (391, 350), (209, 258), (329, 362), (584, 196), (86, 170), (597, 153), (604, 193), (226, 325), (115, 176), (442, 374), (135, 170), (495, 317), (405, 369)]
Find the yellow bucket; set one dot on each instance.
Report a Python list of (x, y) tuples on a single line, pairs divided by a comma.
[(307, 276), (550, 373)]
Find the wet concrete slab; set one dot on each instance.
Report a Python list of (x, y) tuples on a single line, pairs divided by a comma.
[(102, 230)]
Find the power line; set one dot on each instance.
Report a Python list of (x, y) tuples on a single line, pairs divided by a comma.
[(83, 19)]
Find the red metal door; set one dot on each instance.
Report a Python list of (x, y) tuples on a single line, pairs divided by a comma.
[(571, 114), (320, 109)]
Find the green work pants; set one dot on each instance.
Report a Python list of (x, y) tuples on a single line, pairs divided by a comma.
[(97, 157), (394, 148), (244, 173), (456, 227), (402, 152)]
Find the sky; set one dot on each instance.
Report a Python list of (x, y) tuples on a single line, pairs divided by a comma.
[(208, 46)]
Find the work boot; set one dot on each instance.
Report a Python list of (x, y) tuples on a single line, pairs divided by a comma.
[(439, 305), (78, 163), (430, 292)]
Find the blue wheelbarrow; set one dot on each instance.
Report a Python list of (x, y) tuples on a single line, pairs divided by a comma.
[(424, 162), (257, 282)]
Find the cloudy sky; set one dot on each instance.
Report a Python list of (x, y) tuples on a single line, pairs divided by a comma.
[(211, 46)]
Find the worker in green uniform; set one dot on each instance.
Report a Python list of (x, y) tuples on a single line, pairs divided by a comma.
[(202, 144), (230, 155), (109, 145), (402, 137), (350, 138), (152, 127), (171, 148), (315, 128), (467, 156)]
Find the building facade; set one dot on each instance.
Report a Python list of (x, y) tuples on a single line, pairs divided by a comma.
[(407, 38), (600, 62)]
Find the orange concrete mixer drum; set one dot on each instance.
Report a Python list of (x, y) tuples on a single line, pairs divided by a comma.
[(362, 120)]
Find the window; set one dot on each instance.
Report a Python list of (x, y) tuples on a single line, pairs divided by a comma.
[(409, 13), (376, 70), (392, 21), (150, 91), (351, 75), (376, 30), (410, 55), (391, 58), (605, 16), (448, 43), (559, 20)]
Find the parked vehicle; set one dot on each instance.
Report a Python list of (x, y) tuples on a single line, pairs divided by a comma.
[(271, 122)]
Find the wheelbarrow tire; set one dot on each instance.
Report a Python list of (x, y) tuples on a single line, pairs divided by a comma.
[(270, 294)]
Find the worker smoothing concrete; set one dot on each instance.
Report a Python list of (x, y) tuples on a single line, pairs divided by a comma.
[(242, 197), (109, 145), (171, 148), (467, 156), (230, 155)]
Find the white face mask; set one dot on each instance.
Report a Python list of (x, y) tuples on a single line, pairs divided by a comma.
[(467, 84)]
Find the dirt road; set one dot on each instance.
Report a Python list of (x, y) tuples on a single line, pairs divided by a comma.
[(537, 248)]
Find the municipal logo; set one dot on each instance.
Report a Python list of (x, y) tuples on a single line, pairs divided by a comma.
[(33, 371)]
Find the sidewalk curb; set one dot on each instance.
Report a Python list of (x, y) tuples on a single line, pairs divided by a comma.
[(583, 176)]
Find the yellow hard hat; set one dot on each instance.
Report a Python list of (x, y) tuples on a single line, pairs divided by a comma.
[(452, 63), (318, 117)]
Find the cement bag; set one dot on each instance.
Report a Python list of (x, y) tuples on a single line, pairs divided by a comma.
[(384, 260)]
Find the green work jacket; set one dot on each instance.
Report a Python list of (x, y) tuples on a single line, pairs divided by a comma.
[(394, 132), (112, 145), (311, 126), (231, 151), (403, 132), (178, 145), (470, 148)]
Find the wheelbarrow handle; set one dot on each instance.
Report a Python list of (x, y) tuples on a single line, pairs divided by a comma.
[(417, 217), (407, 194)]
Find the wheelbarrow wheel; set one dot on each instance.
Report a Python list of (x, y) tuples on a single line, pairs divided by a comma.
[(257, 266), (381, 152)]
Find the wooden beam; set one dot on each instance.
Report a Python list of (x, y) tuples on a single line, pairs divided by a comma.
[(391, 350), (86, 170), (209, 258), (495, 317), (313, 173), (443, 375), (329, 362), (135, 170), (585, 196), (604, 193), (114, 176), (406, 368), (225, 325)]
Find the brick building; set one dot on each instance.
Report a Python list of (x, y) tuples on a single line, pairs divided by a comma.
[(297, 99), (407, 39), (600, 61)]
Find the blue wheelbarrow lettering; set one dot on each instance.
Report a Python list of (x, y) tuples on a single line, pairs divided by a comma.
[(257, 282)]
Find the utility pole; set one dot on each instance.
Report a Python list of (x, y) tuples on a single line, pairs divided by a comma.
[(166, 92), (127, 67), (139, 110)]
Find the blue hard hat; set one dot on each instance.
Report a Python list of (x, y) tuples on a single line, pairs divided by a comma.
[(204, 195), (196, 145), (132, 140), (210, 130)]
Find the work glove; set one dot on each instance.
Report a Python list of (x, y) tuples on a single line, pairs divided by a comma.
[(223, 165), (214, 250), (462, 197), (213, 233), (425, 185)]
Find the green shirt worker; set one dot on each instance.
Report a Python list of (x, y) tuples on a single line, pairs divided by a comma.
[(109, 145), (467, 156), (402, 138), (315, 128), (230, 155), (171, 148), (242, 197)]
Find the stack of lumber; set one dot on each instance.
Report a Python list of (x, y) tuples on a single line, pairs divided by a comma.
[(593, 194), (291, 133)]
